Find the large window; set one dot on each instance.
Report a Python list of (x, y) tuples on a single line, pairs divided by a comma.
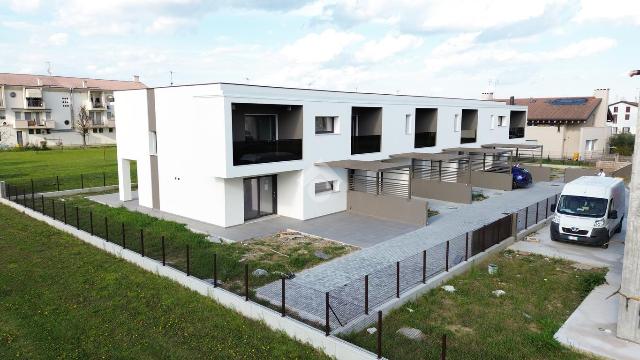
[(325, 186), (325, 124)]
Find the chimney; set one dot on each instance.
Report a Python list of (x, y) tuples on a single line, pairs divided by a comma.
[(136, 78), (512, 100), (600, 119), (486, 96), (84, 83)]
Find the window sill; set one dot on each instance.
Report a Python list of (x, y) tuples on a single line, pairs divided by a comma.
[(326, 133)]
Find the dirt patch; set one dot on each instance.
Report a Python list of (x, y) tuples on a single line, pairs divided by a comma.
[(459, 329)]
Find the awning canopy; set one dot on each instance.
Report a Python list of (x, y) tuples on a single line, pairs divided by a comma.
[(374, 165), (430, 156), (513, 146), (466, 150)]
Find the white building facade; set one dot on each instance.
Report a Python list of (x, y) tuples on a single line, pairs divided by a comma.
[(38, 109), (625, 116), (252, 151)]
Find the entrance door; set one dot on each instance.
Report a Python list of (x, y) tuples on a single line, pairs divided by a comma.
[(19, 137), (259, 196)]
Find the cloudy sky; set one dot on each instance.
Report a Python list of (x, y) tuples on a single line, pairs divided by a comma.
[(443, 47)]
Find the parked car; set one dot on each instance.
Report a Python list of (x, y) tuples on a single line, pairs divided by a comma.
[(589, 210), (521, 177)]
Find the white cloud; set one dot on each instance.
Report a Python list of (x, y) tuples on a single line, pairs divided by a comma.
[(611, 10), (317, 48), (58, 39), (24, 5), (388, 46), (168, 24)]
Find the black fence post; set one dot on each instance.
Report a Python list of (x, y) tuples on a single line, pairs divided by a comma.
[(537, 211), (104, 179), (284, 309), (142, 242), (443, 350), (327, 326), (81, 181), (53, 209), (106, 228), (124, 242), (42, 201), (379, 336), (526, 217), (57, 183), (446, 262), (189, 263), (64, 208), (397, 279), (164, 257), (546, 210), (466, 246), (215, 270), (91, 222), (424, 266), (246, 282), (33, 190), (366, 294), (77, 218)]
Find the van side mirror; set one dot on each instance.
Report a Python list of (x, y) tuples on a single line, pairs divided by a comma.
[(613, 214), (552, 207)]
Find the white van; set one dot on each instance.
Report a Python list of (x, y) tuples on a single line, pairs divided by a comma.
[(589, 210)]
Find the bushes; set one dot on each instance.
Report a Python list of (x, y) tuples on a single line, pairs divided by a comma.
[(622, 143)]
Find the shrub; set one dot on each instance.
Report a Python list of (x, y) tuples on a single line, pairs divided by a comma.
[(622, 143)]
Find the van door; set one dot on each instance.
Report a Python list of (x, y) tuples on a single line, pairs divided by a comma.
[(612, 223)]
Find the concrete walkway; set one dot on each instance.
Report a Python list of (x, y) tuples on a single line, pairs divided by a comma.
[(353, 229), (592, 326)]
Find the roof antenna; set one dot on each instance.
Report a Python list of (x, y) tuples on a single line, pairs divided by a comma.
[(48, 67), (171, 77)]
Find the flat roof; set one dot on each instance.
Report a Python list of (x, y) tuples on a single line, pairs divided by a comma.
[(478, 150), (374, 165), (430, 156), (513, 146)]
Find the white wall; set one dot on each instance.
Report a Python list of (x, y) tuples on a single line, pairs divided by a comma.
[(621, 122)]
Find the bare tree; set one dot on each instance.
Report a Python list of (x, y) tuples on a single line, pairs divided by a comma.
[(83, 124), (5, 134)]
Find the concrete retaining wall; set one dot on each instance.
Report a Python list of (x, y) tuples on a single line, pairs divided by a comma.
[(571, 174), (538, 173), (441, 190), (410, 211), (491, 180), (330, 345)]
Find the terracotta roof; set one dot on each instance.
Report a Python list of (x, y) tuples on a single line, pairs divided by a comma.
[(632, 103), (67, 82), (559, 108)]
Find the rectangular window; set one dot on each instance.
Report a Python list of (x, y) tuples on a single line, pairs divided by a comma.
[(501, 121), (615, 130), (153, 143), (493, 122), (615, 109), (27, 116), (456, 124), (325, 186), (590, 145), (628, 109), (325, 124), (626, 116), (18, 115), (407, 124), (625, 130)]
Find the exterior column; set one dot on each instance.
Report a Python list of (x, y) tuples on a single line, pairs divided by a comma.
[(124, 180)]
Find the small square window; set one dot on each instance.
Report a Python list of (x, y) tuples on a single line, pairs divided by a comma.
[(326, 124), (407, 124), (110, 130), (95, 130), (153, 143), (501, 121), (626, 116), (325, 186), (456, 124), (615, 109), (628, 109)]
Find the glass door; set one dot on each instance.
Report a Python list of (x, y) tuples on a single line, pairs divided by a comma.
[(259, 196)]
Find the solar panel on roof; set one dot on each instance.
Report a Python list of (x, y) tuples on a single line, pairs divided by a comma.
[(575, 101)]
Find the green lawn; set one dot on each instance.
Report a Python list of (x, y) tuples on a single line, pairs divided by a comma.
[(541, 293), (277, 255), (62, 298), (23, 165)]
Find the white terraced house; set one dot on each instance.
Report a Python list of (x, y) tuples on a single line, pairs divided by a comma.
[(228, 153), (624, 117), (37, 108)]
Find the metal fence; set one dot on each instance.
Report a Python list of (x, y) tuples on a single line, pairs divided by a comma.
[(324, 310), (66, 182)]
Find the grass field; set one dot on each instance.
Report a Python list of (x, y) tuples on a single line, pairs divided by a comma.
[(23, 165), (279, 254), (61, 298), (541, 293)]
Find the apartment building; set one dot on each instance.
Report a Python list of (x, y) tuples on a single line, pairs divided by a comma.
[(568, 127), (37, 108), (247, 151), (624, 117)]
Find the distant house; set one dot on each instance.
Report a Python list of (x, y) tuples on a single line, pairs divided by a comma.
[(569, 127), (36, 108), (624, 117)]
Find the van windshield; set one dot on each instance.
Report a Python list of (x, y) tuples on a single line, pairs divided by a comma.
[(582, 206)]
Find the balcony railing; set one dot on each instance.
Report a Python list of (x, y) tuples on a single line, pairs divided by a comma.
[(425, 139), (97, 105), (35, 103), (467, 136), (33, 124), (365, 144), (516, 132), (258, 152)]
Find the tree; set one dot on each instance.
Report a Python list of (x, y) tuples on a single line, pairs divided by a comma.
[(622, 143), (5, 134), (83, 124)]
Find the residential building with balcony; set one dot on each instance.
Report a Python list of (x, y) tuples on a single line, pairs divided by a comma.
[(257, 150), (567, 127), (624, 117), (38, 108)]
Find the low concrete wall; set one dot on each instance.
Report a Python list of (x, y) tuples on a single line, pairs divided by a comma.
[(538, 173), (330, 345), (410, 211), (491, 180), (441, 190), (623, 172), (571, 174)]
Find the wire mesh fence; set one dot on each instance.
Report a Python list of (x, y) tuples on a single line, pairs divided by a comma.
[(66, 182)]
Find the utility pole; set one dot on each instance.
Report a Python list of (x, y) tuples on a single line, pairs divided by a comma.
[(629, 307)]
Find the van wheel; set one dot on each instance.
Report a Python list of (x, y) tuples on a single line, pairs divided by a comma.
[(605, 245), (619, 227)]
